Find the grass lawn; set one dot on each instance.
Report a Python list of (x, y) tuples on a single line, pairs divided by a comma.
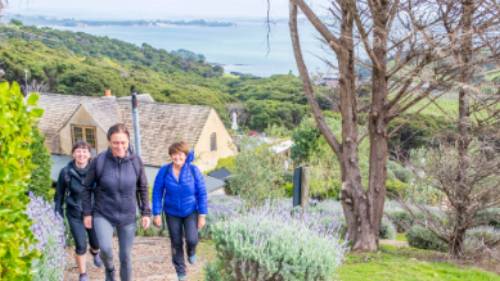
[(407, 264)]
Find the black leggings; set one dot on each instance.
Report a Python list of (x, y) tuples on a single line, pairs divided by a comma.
[(178, 229), (80, 233)]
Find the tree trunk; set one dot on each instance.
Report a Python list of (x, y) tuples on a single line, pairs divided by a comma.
[(377, 121), (456, 242), (361, 231), (461, 197)]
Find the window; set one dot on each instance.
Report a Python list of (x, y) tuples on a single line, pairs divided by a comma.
[(213, 142), (84, 133)]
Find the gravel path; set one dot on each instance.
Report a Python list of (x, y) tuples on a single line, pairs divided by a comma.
[(150, 258)]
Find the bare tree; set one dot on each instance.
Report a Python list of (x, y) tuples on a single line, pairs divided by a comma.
[(466, 171), (383, 29)]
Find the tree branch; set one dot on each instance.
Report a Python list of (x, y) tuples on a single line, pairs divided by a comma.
[(308, 89)]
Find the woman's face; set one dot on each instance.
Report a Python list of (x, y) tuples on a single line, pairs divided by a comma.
[(119, 144), (178, 158), (81, 156)]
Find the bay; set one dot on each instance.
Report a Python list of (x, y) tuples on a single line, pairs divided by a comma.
[(242, 48)]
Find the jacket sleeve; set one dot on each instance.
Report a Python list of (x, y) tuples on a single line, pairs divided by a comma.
[(200, 191), (143, 192), (159, 191), (88, 184), (60, 194)]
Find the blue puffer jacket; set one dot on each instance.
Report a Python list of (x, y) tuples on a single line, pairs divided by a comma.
[(181, 197)]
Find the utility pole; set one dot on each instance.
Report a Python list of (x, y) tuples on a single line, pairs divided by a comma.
[(135, 120)]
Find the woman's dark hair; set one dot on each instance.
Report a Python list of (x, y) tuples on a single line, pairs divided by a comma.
[(117, 128), (178, 147), (81, 144)]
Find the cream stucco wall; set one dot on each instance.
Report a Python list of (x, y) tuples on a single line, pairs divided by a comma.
[(83, 118), (206, 159)]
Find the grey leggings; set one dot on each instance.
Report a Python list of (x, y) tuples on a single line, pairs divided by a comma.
[(126, 234)]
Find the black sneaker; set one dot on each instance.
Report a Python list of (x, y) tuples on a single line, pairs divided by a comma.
[(192, 259), (83, 277), (110, 274), (97, 260)]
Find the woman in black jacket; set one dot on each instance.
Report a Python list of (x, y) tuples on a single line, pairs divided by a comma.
[(118, 182), (69, 192)]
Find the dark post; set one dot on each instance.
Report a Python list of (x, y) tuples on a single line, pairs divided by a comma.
[(301, 186), (135, 120), (297, 182)]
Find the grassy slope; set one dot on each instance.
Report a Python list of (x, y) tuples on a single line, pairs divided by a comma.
[(407, 264)]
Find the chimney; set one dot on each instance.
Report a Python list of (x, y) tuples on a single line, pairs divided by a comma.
[(107, 93), (234, 120)]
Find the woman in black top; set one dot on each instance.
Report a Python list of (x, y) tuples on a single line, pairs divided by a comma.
[(117, 180), (68, 192)]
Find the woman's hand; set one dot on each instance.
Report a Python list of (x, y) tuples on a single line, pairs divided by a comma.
[(87, 222), (157, 220), (145, 222), (201, 221)]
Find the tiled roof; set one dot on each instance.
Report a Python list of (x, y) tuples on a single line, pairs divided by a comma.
[(161, 124), (164, 124)]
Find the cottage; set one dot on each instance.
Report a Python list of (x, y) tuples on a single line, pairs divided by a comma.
[(69, 118)]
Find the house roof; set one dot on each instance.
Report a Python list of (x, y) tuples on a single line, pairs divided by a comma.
[(164, 124), (160, 124), (221, 173)]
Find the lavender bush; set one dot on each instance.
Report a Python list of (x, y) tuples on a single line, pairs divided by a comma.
[(48, 229), (274, 242), (221, 207)]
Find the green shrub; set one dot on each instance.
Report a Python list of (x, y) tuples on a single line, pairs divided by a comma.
[(228, 162), (401, 219), (415, 131), (305, 141), (288, 188), (258, 174), (387, 229), (489, 217), (476, 239), (40, 183), (269, 242), (422, 238), (480, 238), (398, 171), (16, 137), (395, 188)]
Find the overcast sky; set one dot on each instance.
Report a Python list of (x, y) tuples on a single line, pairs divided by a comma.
[(151, 9)]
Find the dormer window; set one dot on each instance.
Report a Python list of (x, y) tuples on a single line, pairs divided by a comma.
[(84, 133)]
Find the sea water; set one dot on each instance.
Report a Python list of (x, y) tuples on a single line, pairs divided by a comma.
[(243, 47)]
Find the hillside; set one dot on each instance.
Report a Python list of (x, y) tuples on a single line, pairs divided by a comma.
[(79, 63)]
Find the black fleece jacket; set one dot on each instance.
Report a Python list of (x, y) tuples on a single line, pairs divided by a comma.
[(117, 188)]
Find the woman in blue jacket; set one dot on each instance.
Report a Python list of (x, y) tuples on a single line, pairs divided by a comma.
[(179, 191)]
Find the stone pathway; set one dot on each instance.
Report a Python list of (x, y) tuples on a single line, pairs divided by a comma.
[(151, 261)]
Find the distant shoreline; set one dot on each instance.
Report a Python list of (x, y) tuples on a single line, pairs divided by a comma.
[(43, 20)]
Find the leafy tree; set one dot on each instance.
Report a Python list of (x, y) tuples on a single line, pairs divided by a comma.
[(16, 139), (40, 183)]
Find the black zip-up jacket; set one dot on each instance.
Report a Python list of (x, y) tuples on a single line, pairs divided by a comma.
[(69, 190), (117, 189)]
